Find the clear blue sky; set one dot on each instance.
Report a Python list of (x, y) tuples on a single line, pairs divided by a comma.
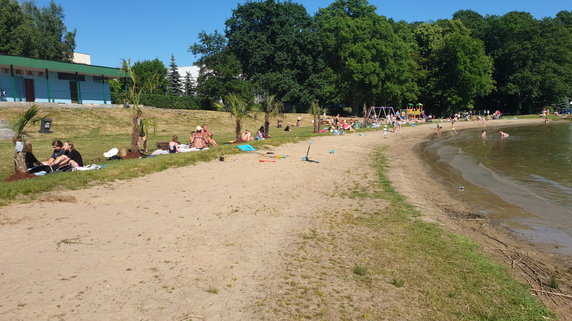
[(110, 30)]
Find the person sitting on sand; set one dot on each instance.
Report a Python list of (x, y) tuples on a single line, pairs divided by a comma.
[(246, 136), (70, 157), (503, 134), (174, 145), (29, 158), (287, 128), (279, 125), (260, 133), (57, 145), (208, 136), (197, 139)]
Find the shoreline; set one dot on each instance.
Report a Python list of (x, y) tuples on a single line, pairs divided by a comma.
[(217, 238), (527, 261)]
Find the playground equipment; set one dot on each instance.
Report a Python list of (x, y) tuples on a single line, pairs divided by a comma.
[(374, 114), (414, 111)]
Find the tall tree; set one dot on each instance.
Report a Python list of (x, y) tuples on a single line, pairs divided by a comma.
[(532, 59), (371, 64), (277, 48), (35, 32), (220, 70), (153, 74), (456, 69), (188, 85), (174, 84)]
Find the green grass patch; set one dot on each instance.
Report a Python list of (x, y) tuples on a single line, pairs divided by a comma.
[(449, 276), (95, 131)]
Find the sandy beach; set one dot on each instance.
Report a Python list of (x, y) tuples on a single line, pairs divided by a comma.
[(207, 242)]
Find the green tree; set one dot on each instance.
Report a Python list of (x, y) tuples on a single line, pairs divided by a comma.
[(239, 108), (532, 59), (220, 70), (174, 84), (188, 84), (370, 63), (136, 87), (455, 68), (151, 75), (271, 107), (315, 110), (35, 32), (277, 48)]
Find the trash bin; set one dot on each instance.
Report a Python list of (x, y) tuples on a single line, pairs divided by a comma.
[(45, 125)]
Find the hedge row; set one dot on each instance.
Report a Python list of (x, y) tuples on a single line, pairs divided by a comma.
[(163, 101)]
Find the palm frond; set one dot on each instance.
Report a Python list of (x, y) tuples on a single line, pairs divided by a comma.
[(19, 124)]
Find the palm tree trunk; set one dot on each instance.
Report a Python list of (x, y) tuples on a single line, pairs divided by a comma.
[(20, 163), (267, 125), (135, 136), (237, 130), (316, 124)]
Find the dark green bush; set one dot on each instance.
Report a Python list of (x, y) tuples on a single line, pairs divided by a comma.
[(162, 101)]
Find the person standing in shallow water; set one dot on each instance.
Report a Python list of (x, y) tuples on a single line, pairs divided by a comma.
[(483, 134)]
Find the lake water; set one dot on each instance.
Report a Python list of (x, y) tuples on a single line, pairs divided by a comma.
[(523, 181)]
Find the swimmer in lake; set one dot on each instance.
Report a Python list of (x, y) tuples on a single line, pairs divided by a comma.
[(503, 134), (483, 134)]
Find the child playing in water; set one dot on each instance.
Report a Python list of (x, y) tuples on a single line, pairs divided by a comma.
[(503, 134), (483, 134)]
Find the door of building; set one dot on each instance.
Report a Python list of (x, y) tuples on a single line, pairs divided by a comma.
[(29, 90), (73, 92)]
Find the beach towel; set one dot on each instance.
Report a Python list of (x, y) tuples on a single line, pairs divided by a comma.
[(245, 148)]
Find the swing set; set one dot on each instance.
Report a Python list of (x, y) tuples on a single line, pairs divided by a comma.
[(374, 114)]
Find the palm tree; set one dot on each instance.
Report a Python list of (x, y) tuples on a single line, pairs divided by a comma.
[(315, 110), (135, 91), (238, 108), (271, 108), (18, 125)]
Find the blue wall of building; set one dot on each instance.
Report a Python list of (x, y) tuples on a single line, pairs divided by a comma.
[(90, 92)]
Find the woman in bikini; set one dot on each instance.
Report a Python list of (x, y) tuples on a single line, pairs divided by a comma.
[(197, 139)]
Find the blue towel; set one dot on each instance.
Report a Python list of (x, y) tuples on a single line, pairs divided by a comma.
[(245, 148)]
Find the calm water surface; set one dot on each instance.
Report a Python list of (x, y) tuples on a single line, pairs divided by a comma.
[(524, 181)]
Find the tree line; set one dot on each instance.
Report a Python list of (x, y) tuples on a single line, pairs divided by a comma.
[(348, 55), (344, 56), (29, 31)]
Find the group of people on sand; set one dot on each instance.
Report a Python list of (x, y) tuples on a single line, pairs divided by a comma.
[(64, 158)]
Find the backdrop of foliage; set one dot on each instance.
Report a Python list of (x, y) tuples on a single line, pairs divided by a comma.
[(347, 54), (34, 32)]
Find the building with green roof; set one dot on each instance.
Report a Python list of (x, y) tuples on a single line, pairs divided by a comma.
[(35, 80)]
